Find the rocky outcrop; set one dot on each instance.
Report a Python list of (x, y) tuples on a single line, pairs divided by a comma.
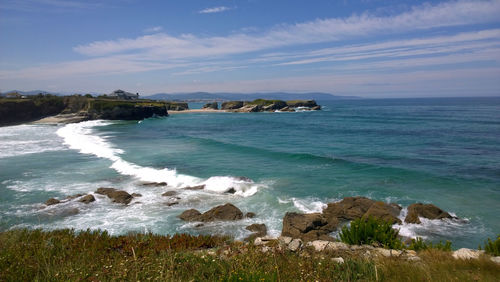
[(249, 109), (349, 208), (259, 230), (301, 103), (117, 196), (428, 211), (87, 199), (231, 105), (176, 106), (385, 212), (197, 187), (227, 212), (169, 193), (213, 106), (308, 227), (154, 184), (52, 201), (125, 110)]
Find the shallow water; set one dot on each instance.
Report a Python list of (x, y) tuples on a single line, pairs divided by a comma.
[(440, 151)]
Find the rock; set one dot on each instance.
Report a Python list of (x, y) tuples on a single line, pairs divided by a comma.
[(250, 215), (249, 109), (465, 253), (413, 258), (231, 191), (495, 259), (190, 215), (424, 210), (318, 245), (224, 212), (301, 103), (334, 246), (316, 108), (87, 199), (287, 109), (52, 201), (231, 105), (259, 228), (169, 204), (285, 239), (169, 193), (177, 106), (243, 178), (72, 197), (154, 184), (213, 106), (386, 212), (69, 212), (136, 195), (118, 196), (349, 208), (295, 245), (198, 187), (388, 252), (308, 227), (338, 260)]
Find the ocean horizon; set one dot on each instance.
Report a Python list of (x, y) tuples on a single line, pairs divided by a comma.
[(443, 151)]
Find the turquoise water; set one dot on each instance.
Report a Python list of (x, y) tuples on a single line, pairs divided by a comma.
[(440, 151)]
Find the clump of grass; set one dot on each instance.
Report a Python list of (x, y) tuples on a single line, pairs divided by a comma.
[(419, 244), (492, 247), (371, 231)]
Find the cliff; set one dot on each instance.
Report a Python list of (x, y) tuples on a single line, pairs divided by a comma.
[(16, 111)]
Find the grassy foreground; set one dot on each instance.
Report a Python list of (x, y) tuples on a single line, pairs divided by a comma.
[(65, 255)]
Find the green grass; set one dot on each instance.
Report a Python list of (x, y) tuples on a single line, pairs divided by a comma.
[(419, 245), (492, 247), (66, 255), (371, 231)]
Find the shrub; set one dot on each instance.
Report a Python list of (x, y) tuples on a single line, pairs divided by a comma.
[(492, 247), (419, 245), (371, 231)]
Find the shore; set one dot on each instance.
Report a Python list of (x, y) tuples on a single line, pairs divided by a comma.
[(197, 111)]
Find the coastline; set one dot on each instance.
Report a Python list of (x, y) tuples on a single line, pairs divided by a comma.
[(197, 111)]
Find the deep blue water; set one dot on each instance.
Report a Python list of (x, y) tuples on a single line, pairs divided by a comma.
[(441, 151)]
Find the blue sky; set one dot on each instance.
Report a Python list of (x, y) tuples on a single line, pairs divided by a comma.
[(369, 48)]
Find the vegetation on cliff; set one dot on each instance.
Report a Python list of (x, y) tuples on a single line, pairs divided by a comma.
[(27, 255)]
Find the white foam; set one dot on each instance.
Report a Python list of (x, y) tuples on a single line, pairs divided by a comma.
[(81, 137), (28, 139)]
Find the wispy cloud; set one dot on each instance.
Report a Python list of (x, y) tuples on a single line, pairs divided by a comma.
[(213, 10), (455, 13), (153, 29)]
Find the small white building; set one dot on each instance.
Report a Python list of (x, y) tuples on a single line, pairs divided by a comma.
[(123, 95)]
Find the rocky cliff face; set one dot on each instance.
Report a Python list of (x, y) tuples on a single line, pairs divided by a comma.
[(16, 111), (262, 105)]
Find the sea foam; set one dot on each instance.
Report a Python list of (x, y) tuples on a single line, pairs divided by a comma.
[(82, 137)]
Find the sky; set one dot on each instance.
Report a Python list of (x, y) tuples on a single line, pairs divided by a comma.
[(367, 48)]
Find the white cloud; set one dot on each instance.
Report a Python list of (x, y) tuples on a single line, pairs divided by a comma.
[(153, 29), (455, 13), (214, 10)]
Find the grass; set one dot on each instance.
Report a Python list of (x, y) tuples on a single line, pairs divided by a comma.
[(371, 231), (66, 255), (492, 247)]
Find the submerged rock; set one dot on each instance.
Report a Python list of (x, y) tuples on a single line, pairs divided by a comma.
[(52, 201), (250, 215), (87, 199), (154, 184), (118, 196), (136, 195), (198, 187), (169, 193), (72, 197), (424, 210)]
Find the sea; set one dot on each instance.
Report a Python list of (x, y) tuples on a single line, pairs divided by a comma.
[(443, 151)]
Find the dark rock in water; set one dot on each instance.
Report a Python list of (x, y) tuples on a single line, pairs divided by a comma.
[(224, 212), (250, 109), (259, 230), (317, 108), (72, 197), (190, 215), (169, 193), (308, 227), (386, 212), (213, 105), (250, 215), (243, 178), (199, 187), (349, 208), (301, 103), (231, 105), (136, 195), (118, 196), (287, 109), (199, 225), (87, 199), (424, 210), (52, 201), (154, 184), (169, 204), (231, 191)]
